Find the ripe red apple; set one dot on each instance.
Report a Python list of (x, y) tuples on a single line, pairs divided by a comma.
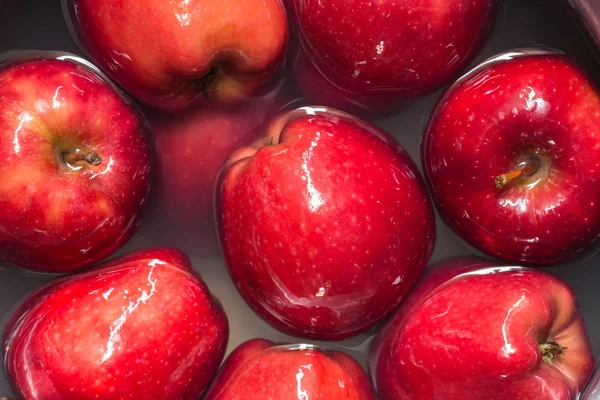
[(140, 326), (473, 330), (259, 370), (168, 53), (325, 225), (76, 164), (512, 154), (357, 54)]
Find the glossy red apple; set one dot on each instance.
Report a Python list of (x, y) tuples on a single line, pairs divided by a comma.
[(142, 326), (473, 330), (76, 164), (325, 225), (369, 55), (512, 154), (168, 53), (259, 370)]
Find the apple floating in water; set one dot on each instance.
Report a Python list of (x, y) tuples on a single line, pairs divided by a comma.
[(166, 54), (259, 369), (76, 163), (325, 224), (141, 325), (473, 330), (512, 155), (357, 55)]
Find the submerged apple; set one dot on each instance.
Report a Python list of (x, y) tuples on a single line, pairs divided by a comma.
[(142, 326), (168, 53), (512, 155), (76, 164), (473, 330), (370, 55), (325, 224), (260, 369)]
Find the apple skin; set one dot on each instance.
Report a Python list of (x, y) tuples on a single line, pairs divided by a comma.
[(259, 370), (370, 55), (140, 325), (164, 53), (472, 330), (55, 216), (519, 106), (326, 227)]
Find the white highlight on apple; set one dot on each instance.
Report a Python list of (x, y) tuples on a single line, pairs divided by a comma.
[(184, 16), (24, 117), (302, 394), (106, 294), (315, 200), (55, 102), (538, 105), (106, 170), (508, 349), (118, 324)]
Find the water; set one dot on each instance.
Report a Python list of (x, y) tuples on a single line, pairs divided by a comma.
[(38, 24)]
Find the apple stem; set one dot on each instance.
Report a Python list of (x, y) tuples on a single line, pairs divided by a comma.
[(6, 398), (551, 350), (526, 168), (91, 158)]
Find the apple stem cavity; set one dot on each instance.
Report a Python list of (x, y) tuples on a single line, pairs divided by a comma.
[(206, 84), (524, 169), (551, 350), (91, 158)]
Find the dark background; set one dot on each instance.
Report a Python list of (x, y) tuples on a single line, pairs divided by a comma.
[(39, 24)]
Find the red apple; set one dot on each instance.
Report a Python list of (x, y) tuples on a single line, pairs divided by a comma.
[(326, 225), (473, 330), (357, 54), (142, 326), (260, 370), (168, 53), (512, 153), (76, 164), (193, 145)]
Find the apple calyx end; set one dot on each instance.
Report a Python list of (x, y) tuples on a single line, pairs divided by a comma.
[(524, 169), (550, 350), (91, 158)]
